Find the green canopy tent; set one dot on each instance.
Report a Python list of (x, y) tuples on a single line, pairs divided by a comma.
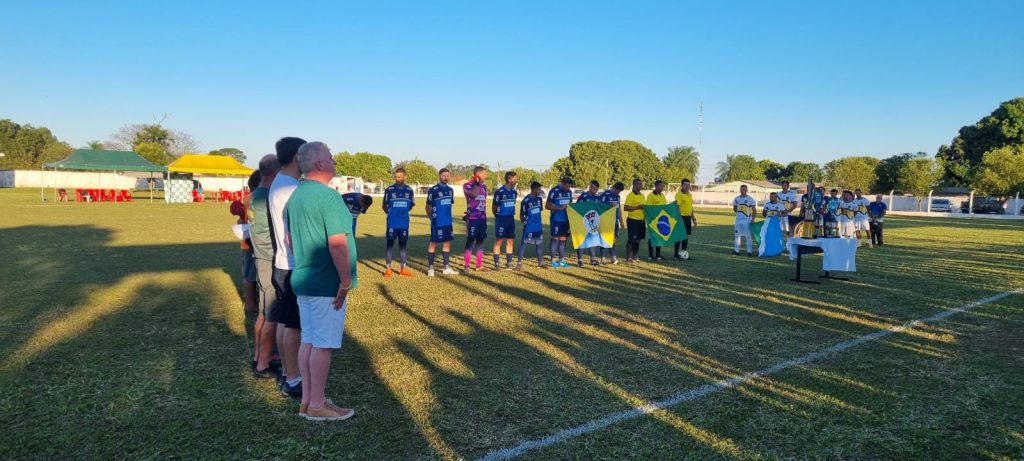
[(106, 160)]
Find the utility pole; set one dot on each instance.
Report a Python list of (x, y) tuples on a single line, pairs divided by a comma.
[(700, 125)]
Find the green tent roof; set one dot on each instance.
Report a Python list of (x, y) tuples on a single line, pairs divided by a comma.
[(105, 160)]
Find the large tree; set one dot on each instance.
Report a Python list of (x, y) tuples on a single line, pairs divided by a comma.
[(799, 172), (172, 143), (607, 162), (370, 167), (918, 176), (232, 152), (1003, 127), (888, 171), (738, 167), (29, 147), (1001, 171), (852, 172), (418, 172), (772, 170), (681, 162)]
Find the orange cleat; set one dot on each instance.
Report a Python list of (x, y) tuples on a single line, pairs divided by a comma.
[(388, 273), (405, 272)]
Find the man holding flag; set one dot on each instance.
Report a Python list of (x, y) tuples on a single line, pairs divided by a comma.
[(657, 197), (664, 224), (685, 202), (768, 234), (591, 195), (636, 229)]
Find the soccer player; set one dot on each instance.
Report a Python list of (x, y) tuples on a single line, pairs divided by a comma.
[(775, 207), (475, 191), (504, 209), (745, 208), (845, 215), (559, 198), (657, 197), (590, 195), (613, 197), (398, 202), (860, 220), (533, 228), (439, 208), (357, 204), (789, 199), (684, 200), (876, 215), (636, 230)]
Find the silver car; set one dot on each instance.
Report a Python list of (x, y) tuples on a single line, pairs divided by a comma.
[(942, 205)]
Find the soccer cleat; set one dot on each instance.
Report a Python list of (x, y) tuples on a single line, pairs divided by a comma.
[(510, 266), (580, 263), (750, 255), (294, 392), (680, 254), (615, 261), (483, 269), (405, 272), (685, 254), (659, 258), (430, 272), (519, 267), (555, 265), (449, 271), (565, 264), (735, 253), (389, 273)]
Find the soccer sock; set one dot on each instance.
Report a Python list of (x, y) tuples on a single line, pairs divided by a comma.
[(388, 254), (469, 256), (447, 256), (593, 254), (403, 255), (431, 257), (479, 258), (497, 259), (736, 244), (540, 254), (522, 252), (750, 245), (554, 250), (683, 244), (650, 250), (561, 249), (508, 258), (675, 248), (579, 255)]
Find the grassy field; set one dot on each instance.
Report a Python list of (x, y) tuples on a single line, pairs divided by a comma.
[(125, 338)]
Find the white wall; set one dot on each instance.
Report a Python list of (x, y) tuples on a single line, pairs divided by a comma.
[(66, 179)]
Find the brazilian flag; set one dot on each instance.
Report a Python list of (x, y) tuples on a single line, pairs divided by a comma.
[(592, 224), (664, 224)]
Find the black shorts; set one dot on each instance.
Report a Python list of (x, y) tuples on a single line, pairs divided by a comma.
[(636, 229), (793, 221), (688, 224), (286, 309), (505, 227)]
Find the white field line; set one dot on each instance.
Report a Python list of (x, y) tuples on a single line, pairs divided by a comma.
[(707, 389)]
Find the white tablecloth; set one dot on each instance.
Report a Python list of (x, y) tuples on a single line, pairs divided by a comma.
[(840, 254)]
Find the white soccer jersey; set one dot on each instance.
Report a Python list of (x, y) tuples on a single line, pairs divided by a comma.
[(846, 211), (775, 209), (862, 207), (745, 205), (790, 200)]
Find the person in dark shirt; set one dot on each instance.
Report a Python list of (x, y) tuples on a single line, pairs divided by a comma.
[(357, 204)]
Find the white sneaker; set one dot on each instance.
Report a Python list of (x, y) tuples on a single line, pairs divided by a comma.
[(450, 271), (680, 254), (684, 254), (430, 272)]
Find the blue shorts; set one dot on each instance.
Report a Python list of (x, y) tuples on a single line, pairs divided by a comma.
[(534, 238), (476, 229), (505, 227), (560, 229), (440, 234), (402, 235)]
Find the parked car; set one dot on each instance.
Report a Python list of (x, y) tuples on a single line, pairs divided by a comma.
[(985, 205), (942, 205)]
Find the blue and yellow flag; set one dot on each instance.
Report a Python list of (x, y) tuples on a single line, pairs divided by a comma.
[(592, 224), (664, 224)]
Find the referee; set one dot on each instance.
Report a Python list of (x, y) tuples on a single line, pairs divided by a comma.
[(685, 202), (635, 227)]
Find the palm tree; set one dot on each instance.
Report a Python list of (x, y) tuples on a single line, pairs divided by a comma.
[(684, 158), (724, 169)]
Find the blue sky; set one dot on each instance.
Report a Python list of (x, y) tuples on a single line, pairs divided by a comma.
[(517, 82)]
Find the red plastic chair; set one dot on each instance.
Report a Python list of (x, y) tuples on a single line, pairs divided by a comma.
[(196, 196), (126, 195), (78, 195)]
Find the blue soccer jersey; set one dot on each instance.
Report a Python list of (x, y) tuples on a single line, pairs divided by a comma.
[(560, 197), (530, 213), (398, 198), (440, 198), (352, 200), (612, 198), (588, 197), (505, 201)]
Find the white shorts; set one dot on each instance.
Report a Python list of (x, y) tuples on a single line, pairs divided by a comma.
[(861, 224), (784, 222), (743, 229), (322, 325), (846, 229)]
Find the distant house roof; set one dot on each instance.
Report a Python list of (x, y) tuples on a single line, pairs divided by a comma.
[(209, 164), (754, 185), (105, 160)]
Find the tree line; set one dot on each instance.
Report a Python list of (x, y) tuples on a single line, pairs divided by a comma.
[(987, 156)]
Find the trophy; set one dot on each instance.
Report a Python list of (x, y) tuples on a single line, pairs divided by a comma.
[(812, 216)]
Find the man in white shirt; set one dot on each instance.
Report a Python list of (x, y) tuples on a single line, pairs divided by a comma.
[(860, 219), (791, 201), (745, 208), (847, 210), (286, 310)]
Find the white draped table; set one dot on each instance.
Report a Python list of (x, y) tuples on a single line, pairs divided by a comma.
[(838, 254)]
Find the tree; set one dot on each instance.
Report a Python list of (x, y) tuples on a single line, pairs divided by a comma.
[(175, 143), (371, 167), (607, 162), (851, 173), (418, 172), (681, 162), (1003, 127), (918, 176), (551, 176), (889, 169), (798, 172), (772, 171), (232, 152), (1001, 171), (738, 167), (95, 145), (153, 152), (29, 147)]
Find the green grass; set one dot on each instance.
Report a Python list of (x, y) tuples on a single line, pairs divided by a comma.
[(125, 338)]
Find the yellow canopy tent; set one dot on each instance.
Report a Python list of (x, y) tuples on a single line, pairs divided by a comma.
[(209, 164), (213, 165)]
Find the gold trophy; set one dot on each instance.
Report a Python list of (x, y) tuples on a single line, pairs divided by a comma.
[(809, 211)]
